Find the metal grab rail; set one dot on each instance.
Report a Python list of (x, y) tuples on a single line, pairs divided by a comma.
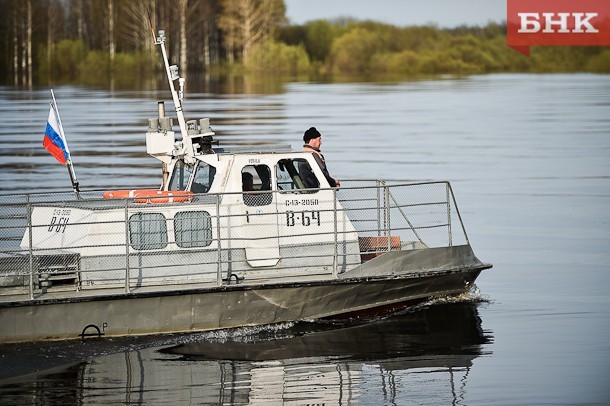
[(404, 215), (416, 216), (30, 250)]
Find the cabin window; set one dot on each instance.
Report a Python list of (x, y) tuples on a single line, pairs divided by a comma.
[(294, 174), (202, 181), (147, 231), (256, 178), (193, 229), (204, 176), (180, 176)]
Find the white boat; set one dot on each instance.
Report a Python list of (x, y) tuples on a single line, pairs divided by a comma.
[(207, 251)]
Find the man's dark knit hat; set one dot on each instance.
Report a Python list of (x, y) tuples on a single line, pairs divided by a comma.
[(311, 134)]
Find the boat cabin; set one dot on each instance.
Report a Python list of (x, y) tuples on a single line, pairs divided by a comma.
[(192, 164)]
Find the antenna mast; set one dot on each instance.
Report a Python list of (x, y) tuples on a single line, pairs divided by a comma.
[(172, 75)]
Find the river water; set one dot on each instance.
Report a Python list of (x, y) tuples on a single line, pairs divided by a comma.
[(529, 160)]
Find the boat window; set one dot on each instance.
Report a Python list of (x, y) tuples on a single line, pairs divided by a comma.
[(204, 176), (193, 229), (293, 174), (180, 176), (147, 231), (256, 178)]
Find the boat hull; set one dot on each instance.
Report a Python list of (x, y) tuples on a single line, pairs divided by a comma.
[(219, 307), (116, 268)]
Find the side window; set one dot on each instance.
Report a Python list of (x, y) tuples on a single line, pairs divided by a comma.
[(193, 229), (147, 231), (255, 178), (294, 174), (204, 176), (180, 176)]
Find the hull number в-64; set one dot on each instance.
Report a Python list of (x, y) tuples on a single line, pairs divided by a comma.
[(305, 218)]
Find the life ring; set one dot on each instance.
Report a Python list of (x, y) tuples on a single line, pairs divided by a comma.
[(151, 195), (122, 194), (163, 196)]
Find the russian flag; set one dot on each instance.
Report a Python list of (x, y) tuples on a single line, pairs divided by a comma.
[(53, 139)]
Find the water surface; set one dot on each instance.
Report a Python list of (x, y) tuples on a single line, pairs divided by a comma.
[(529, 160)]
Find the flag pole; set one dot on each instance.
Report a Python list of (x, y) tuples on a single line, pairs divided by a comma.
[(73, 179)]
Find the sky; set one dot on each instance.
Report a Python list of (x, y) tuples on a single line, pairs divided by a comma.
[(444, 13)]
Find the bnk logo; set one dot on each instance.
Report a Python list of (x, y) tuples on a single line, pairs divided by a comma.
[(557, 22), (530, 22)]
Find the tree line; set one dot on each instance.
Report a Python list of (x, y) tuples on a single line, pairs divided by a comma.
[(89, 41), (45, 40), (373, 48)]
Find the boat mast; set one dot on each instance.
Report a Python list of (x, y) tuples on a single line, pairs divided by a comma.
[(172, 75)]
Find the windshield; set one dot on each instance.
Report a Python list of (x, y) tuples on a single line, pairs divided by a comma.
[(204, 176), (180, 176), (202, 181)]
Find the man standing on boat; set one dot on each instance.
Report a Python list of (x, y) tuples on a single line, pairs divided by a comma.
[(313, 142)]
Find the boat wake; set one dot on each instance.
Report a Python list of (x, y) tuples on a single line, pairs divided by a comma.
[(240, 334), (473, 295)]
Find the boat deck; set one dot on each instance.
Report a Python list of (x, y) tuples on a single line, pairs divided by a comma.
[(62, 293)]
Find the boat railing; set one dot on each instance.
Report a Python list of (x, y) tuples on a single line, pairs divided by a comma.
[(212, 239), (425, 212)]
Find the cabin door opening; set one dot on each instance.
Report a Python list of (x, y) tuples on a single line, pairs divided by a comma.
[(260, 221)]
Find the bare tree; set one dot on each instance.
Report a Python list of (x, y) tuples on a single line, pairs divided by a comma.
[(140, 24), (111, 36), (182, 10), (245, 22), (54, 14), (78, 15), (24, 51), (204, 32), (208, 32), (193, 26), (29, 42), (15, 40)]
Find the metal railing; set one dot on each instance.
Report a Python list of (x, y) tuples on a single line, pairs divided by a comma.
[(56, 242)]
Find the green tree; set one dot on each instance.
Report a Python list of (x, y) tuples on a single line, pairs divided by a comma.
[(353, 52), (319, 38), (599, 63), (404, 62), (275, 57)]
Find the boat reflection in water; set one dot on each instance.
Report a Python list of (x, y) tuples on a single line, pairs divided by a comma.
[(385, 361)]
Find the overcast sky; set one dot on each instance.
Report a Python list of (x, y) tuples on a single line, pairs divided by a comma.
[(445, 13)]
